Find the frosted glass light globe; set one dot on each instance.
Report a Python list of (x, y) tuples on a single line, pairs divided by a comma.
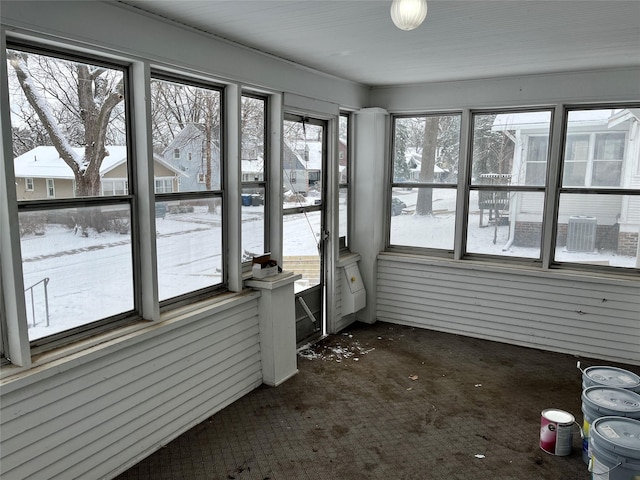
[(408, 14)]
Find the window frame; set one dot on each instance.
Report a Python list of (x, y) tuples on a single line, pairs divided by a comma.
[(561, 189), (343, 241), (431, 251), (159, 74), (257, 183), (52, 203), (552, 188)]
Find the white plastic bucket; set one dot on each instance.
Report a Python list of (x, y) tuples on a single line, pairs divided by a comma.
[(610, 377), (606, 401), (615, 449), (556, 431)]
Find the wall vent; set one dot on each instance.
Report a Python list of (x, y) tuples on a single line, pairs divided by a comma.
[(581, 234)]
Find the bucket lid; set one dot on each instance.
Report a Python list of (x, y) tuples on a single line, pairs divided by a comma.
[(558, 416), (612, 377), (618, 434), (612, 401)]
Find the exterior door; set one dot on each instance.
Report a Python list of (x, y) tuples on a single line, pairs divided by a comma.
[(304, 160)]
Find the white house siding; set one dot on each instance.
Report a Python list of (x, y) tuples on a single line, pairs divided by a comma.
[(112, 406), (574, 314)]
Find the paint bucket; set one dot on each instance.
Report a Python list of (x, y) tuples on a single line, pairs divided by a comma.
[(615, 449), (604, 402), (556, 431), (610, 377)]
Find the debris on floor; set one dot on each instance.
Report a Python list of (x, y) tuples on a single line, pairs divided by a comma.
[(337, 352)]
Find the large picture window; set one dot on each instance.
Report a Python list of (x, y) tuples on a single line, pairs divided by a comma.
[(425, 174), (186, 118), (70, 144)]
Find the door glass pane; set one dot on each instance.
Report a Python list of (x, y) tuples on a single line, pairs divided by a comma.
[(75, 275), (189, 245), (301, 251), (68, 123), (303, 149)]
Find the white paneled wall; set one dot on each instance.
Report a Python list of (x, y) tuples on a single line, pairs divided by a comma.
[(111, 407), (575, 314)]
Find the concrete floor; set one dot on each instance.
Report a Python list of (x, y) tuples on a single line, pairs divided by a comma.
[(390, 402)]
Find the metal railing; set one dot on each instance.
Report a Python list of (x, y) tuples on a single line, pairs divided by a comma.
[(45, 282)]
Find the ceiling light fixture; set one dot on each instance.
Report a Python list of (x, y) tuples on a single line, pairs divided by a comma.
[(408, 14)]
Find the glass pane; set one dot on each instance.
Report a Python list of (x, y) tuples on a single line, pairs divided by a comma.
[(301, 236), (343, 212), (62, 147), (505, 223), (252, 223), (75, 274), (510, 148), (426, 149), (598, 229), (189, 245), (253, 144), (185, 121), (303, 154), (343, 150), (595, 147), (423, 217)]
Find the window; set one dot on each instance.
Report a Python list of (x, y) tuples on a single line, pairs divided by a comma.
[(164, 185), (254, 186), (595, 218), (115, 187), (188, 220), (51, 188), (508, 183), (28, 184), (598, 213), (426, 152), (343, 179), (76, 243), (594, 159)]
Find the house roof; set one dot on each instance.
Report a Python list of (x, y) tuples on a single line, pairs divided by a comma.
[(45, 162), (541, 119)]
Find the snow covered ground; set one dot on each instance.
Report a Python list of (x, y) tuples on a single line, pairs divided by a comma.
[(91, 277)]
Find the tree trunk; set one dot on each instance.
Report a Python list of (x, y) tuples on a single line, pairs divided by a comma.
[(424, 203)]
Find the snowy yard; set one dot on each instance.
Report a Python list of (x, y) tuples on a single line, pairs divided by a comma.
[(91, 277)]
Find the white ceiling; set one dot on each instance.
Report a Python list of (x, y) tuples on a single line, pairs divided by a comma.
[(460, 39)]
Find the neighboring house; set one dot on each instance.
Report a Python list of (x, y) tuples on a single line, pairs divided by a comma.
[(414, 161), (41, 173), (294, 172), (187, 152), (601, 150)]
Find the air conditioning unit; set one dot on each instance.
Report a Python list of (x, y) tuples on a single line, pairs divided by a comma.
[(581, 234)]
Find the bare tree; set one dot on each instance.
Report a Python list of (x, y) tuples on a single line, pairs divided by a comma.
[(85, 97)]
